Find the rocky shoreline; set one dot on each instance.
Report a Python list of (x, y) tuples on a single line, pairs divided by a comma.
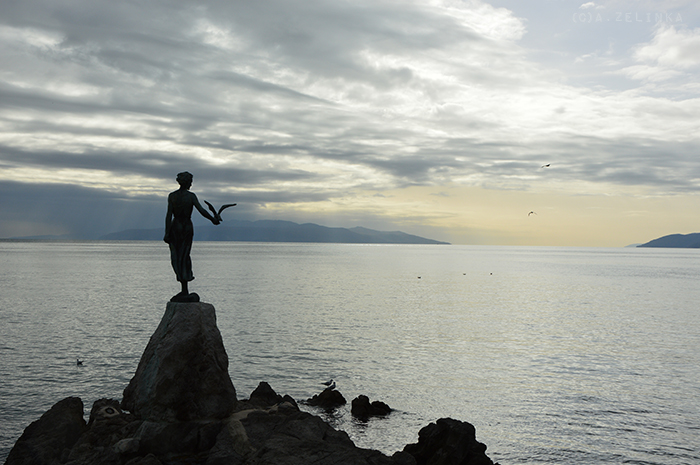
[(181, 408)]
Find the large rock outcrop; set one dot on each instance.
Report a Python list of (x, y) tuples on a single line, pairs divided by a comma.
[(183, 373)]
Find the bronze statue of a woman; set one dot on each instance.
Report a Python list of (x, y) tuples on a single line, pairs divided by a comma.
[(179, 233)]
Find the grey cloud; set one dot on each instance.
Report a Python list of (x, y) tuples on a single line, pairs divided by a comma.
[(663, 167), (151, 164), (250, 83), (326, 37)]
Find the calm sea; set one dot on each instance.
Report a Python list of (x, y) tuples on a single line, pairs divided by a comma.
[(556, 355)]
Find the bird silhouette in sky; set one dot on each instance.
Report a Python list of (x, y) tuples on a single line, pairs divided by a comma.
[(217, 215), (531, 213), (545, 166)]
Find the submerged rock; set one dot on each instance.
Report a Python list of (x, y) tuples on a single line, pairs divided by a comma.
[(363, 409), (183, 373), (328, 399), (448, 442)]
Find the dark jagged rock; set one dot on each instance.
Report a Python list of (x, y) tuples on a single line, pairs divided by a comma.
[(264, 396), (363, 409), (50, 438), (183, 373), (448, 442), (328, 399)]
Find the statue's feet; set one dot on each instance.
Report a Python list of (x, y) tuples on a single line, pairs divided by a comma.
[(183, 297)]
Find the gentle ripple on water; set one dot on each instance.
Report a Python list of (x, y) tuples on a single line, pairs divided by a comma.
[(556, 355)]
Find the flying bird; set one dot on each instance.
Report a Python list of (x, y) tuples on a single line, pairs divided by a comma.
[(531, 213), (217, 215), (545, 166)]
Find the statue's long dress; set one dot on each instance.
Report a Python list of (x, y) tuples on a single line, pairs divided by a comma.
[(181, 236)]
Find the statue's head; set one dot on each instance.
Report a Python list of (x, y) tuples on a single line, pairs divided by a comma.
[(184, 179)]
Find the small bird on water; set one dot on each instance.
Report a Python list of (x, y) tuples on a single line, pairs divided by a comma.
[(78, 362)]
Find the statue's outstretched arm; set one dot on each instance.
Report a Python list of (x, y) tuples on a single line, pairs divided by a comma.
[(201, 210)]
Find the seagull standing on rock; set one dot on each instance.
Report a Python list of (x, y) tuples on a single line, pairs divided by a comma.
[(330, 384)]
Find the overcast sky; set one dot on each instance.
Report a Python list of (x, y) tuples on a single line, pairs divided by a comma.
[(434, 117)]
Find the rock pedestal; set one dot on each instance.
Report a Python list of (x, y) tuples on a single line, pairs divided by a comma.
[(183, 373)]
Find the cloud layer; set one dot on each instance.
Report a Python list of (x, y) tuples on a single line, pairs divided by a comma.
[(300, 102)]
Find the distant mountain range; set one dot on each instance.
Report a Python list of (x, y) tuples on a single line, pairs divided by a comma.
[(279, 231), (684, 241)]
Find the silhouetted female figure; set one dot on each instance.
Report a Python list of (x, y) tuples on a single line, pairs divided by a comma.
[(179, 233)]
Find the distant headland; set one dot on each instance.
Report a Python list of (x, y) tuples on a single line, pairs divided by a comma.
[(280, 231), (257, 231), (681, 241)]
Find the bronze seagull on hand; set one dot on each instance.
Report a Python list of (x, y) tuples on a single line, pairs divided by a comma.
[(217, 215)]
